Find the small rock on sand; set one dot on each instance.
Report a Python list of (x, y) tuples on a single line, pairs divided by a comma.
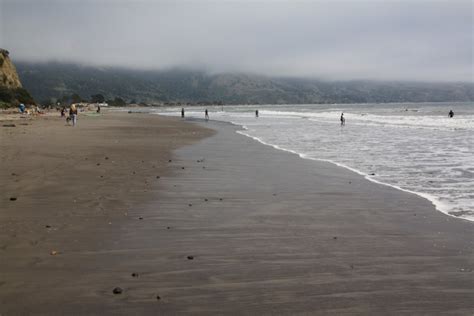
[(117, 290), (158, 297), (157, 177), (13, 199), (190, 257), (135, 275), (190, 205)]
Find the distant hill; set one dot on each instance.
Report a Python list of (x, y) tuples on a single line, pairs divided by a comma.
[(48, 81)]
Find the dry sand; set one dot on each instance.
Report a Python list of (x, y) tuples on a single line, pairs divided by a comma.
[(230, 227)]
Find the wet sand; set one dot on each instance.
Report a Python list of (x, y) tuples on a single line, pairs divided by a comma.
[(230, 227)]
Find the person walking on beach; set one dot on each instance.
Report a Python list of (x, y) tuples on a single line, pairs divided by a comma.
[(451, 113), (206, 115), (73, 114), (343, 120), (182, 112), (256, 113), (98, 109)]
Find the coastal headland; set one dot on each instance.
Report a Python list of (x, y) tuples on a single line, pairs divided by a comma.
[(141, 214)]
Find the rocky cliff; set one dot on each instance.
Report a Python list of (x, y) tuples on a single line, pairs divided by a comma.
[(11, 90), (8, 75)]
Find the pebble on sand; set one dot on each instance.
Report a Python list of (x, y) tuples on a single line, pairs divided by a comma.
[(157, 177), (140, 218), (190, 205), (117, 290), (135, 275), (190, 257), (13, 199), (158, 297)]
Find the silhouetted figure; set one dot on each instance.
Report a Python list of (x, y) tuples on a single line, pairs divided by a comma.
[(451, 113), (206, 115), (182, 112), (343, 120), (256, 113), (98, 109)]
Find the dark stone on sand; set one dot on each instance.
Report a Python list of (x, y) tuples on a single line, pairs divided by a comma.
[(135, 275), (117, 290), (182, 168), (372, 174), (13, 199), (190, 205), (203, 167), (47, 226), (140, 218), (157, 177), (98, 163), (101, 176), (334, 237), (158, 297), (14, 174), (169, 160), (9, 125), (106, 158), (274, 194), (206, 200), (168, 227), (133, 172), (220, 199), (190, 257)]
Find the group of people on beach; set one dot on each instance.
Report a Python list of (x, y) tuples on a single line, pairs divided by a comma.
[(206, 114)]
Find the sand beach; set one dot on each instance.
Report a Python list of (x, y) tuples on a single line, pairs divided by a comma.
[(188, 217)]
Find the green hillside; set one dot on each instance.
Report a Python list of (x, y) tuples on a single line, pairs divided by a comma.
[(51, 81)]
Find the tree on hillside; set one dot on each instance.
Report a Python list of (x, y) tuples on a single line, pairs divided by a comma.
[(76, 98), (97, 98)]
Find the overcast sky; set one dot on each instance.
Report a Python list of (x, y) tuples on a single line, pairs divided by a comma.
[(379, 39)]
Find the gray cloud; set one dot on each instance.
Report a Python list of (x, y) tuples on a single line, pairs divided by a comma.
[(401, 40)]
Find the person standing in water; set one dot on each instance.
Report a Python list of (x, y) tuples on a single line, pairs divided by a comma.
[(343, 120), (182, 112), (451, 113), (206, 115), (256, 113)]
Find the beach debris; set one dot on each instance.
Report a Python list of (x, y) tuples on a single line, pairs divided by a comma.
[(190, 257), (13, 199), (140, 218), (158, 297), (9, 125), (117, 290), (54, 252), (135, 275), (465, 270)]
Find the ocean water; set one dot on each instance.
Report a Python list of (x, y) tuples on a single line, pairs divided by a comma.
[(413, 147)]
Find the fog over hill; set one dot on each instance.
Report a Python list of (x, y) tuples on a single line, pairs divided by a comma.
[(48, 81)]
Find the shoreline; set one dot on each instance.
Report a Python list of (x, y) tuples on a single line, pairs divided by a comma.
[(438, 206), (229, 226)]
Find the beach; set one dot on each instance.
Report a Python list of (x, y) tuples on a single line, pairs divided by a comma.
[(191, 217)]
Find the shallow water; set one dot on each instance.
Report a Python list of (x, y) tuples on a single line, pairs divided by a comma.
[(411, 146)]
